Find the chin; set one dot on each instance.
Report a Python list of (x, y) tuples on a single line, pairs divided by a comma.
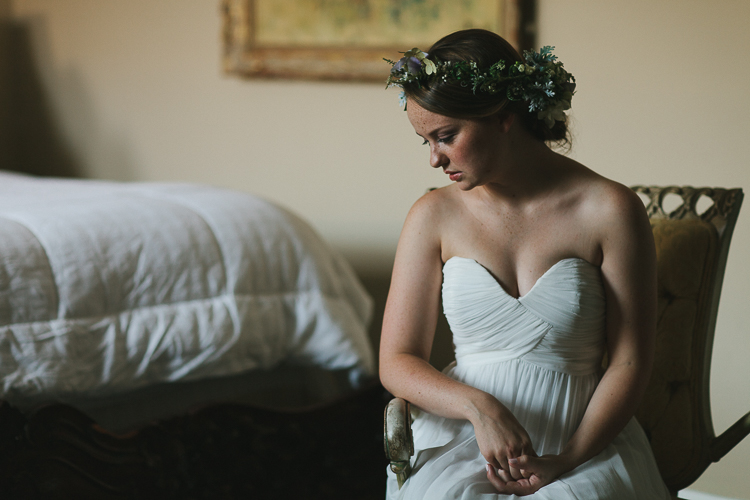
[(466, 184)]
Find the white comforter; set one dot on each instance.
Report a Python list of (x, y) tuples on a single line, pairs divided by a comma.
[(105, 287)]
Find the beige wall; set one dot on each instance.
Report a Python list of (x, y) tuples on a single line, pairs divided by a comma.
[(7, 152), (136, 92)]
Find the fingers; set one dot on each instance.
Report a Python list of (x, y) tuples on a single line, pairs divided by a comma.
[(494, 462), (503, 461), (511, 466), (514, 470), (526, 474), (504, 475), (503, 483), (499, 478), (522, 466), (506, 471), (514, 467), (498, 483)]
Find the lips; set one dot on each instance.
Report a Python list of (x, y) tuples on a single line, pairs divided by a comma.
[(454, 176)]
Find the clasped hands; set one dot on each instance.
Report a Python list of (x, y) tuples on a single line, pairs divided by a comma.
[(513, 466), (526, 474)]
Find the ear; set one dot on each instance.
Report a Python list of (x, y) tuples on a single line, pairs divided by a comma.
[(506, 120)]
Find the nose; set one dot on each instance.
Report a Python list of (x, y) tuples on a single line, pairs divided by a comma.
[(437, 158)]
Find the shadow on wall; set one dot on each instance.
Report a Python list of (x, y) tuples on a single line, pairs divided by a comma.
[(30, 141)]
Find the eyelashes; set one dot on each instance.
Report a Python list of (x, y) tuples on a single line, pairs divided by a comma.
[(445, 140)]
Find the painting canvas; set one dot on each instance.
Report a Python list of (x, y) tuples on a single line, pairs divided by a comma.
[(347, 39)]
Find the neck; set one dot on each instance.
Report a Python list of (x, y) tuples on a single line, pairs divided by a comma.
[(528, 168)]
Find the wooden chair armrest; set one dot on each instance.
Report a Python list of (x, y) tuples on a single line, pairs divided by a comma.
[(397, 438), (729, 438)]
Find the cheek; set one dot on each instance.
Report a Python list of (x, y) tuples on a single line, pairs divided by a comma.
[(484, 151)]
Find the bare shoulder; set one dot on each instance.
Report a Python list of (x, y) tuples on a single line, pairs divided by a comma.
[(435, 200), (607, 204), (429, 211), (618, 220)]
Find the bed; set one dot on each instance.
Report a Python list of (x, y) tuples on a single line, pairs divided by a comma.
[(143, 323)]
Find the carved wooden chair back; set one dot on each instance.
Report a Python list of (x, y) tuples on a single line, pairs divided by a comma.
[(691, 250)]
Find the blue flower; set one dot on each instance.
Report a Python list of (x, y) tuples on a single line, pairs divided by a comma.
[(402, 99), (413, 65)]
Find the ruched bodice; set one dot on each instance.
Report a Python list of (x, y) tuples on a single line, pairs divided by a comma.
[(539, 355), (558, 324)]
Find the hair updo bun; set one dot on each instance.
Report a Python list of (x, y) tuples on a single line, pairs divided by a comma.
[(450, 98)]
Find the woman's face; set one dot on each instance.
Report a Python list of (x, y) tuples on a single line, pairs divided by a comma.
[(468, 150)]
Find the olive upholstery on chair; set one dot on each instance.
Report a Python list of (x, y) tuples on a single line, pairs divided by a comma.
[(691, 250)]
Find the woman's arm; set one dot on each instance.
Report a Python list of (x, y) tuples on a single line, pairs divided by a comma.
[(408, 330), (629, 276)]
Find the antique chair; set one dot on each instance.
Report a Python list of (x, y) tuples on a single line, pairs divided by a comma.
[(675, 413)]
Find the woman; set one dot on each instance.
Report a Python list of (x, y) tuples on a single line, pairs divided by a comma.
[(544, 266)]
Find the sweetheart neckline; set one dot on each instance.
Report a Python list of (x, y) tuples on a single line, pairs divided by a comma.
[(502, 288)]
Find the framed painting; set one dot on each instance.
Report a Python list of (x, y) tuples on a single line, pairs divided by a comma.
[(348, 39)]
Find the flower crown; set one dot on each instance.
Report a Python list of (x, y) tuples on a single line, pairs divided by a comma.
[(540, 80)]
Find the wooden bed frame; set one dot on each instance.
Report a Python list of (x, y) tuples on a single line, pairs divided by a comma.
[(221, 451)]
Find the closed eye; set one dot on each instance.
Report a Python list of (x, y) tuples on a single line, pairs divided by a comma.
[(444, 140)]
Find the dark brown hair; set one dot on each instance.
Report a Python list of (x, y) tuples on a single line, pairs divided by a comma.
[(452, 99)]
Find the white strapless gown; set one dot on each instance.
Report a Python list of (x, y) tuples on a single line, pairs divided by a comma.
[(539, 355)]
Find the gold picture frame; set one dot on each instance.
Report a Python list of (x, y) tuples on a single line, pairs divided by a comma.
[(347, 40)]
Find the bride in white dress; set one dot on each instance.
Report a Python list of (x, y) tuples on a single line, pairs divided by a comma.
[(544, 266)]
